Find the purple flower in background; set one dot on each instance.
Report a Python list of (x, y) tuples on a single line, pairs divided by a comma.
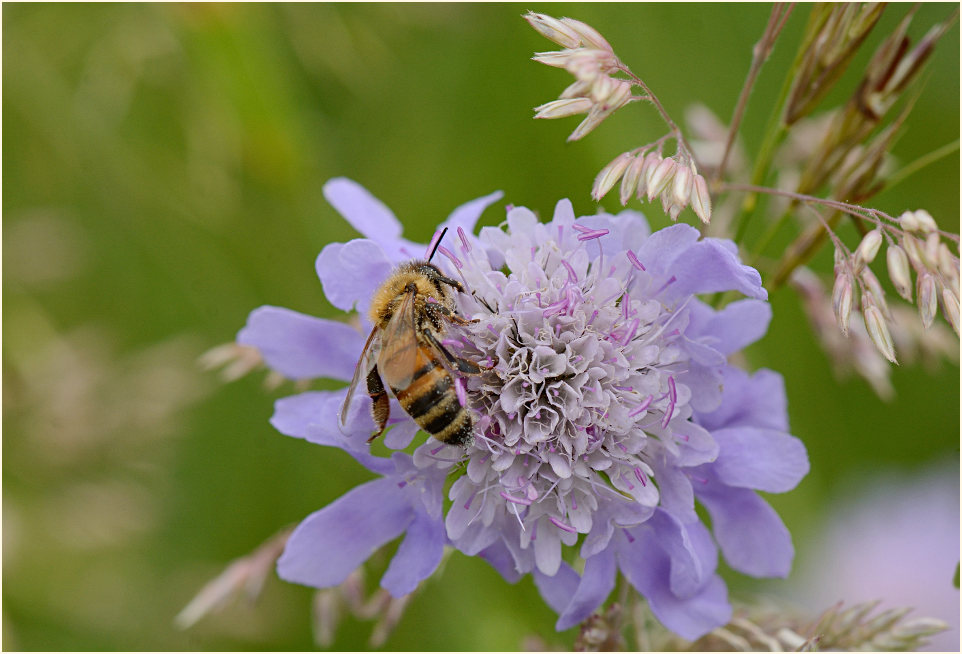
[(609, 409)]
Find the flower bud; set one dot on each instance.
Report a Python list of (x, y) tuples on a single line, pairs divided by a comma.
[(554, 29), (909, 222), (868, 248), (563, 108), (875, 288), (660, 176), (701, 199), (913, 248), (842, 300), (928, 299), (926, 223), (629, 183), (681, 187), (949, 267), (591, 37), (878, 331), (899, 271), (652, 160), (950, 308), (930, 253), (610, 174)]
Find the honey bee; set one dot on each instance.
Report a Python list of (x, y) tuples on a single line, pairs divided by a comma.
[(410, 312)]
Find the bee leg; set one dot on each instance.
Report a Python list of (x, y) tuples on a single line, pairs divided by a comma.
[(463, 365), (453, 283), (449, 315), (380, 407)]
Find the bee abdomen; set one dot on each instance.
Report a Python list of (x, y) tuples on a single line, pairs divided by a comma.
[(432, 402)]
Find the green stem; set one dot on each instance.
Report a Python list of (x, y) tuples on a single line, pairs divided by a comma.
[(922, 162)]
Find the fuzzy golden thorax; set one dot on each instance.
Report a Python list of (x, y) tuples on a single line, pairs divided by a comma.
[(426, 278)]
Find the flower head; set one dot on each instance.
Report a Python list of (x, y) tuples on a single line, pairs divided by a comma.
[(609, 406)]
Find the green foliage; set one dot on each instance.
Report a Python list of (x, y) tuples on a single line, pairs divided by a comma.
[(162, 167)]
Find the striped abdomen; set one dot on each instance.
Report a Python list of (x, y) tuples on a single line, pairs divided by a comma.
[(432, 401)]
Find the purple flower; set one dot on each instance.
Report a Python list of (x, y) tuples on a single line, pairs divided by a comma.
[(610, 408)]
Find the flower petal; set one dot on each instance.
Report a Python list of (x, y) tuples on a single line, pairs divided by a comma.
[(762, 459), (300, 346), (647, 566), (597, 582), (366, 213), (466, 216), (712, 265), (733, 328), (661, 249), (351, 272), (313, 417), (557, 589), (329, 544), (752, 537), (753, 401), (499, 556), (417, 557)]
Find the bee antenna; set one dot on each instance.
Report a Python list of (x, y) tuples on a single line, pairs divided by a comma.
[(436, 242)]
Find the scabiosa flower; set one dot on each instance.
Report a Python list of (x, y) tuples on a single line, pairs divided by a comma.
[(609, 407)]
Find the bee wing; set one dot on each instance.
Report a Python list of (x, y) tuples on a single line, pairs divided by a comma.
[(362, 366), (400, 357)]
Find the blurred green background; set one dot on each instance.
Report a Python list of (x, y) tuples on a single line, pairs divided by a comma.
[(162, 174)]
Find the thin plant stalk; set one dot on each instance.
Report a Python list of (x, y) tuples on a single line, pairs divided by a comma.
[(760, 54)]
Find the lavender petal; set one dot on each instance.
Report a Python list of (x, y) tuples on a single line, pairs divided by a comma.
[(597, 582), (417, 557), (300, 346), (329, 544), (762, 459), (351, 272), (751, 536)]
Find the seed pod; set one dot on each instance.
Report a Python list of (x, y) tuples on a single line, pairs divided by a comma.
[(554, 29), (681, 187), (611, 174), (701, 199), (660, 177), (878, 331), (928, 299), (950, 308), (909, 222), (925, 221), (899, 271), (563, 108), (868, 248), (629, 182), (842, 300)]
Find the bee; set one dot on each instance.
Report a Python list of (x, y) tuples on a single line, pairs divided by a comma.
[(410, 312)]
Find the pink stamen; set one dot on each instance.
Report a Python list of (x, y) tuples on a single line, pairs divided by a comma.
[(402, 484), (640, 476), (627, 389), (571, 271), (581, 228), (643, 406), (634, 260), (434, 242), (631, 539), (462, 392), (671, 280), (437, 449), (450, 255), (464, 240), (560, 525), (593, 234), (517, 500), (632, 331)]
